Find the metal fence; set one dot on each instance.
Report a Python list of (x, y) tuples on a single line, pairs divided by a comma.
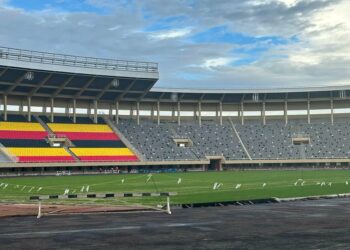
[(76, 61)]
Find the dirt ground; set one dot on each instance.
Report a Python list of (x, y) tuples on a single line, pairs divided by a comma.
[(9, 210)]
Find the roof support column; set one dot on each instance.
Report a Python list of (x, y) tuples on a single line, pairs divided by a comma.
[(200, 113), (332, 110), (51, 109), (5, 107), (158, 113), (308, 111), (117, 112), (95, 111), (138, 113), (173, 112), (110, 112), (152, 112), (178, 113), (220, 107), (242, 113), (29, 102), (285, 113), (263, 113), (74, 110)]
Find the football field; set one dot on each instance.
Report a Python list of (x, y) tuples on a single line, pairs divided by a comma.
[(191, 187)]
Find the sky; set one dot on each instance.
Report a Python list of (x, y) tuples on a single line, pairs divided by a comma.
[(206, 44)]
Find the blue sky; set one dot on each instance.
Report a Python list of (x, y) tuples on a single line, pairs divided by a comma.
[(197, 43)]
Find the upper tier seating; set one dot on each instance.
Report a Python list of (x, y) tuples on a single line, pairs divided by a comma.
[(93, 142)]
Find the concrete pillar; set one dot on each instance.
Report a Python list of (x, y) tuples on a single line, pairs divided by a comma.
[(332, 110), (29, 102), (5, 107), (117, 112), (110, 112), (173, 112), (131, 112), (178, 114), (74, 110), (95, 111), (138, 113), (220, 107), (152, 112), (263, 113), (51, 109), (158, 113), (200, 113), (242, 113), (308, 112), (285, 112)]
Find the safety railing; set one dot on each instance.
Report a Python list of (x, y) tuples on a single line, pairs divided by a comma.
[(76, 61)]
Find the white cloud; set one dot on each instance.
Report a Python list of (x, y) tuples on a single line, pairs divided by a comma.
[(216, 62), (170, 34)]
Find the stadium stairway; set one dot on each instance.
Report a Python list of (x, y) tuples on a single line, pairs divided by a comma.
[(239, 139), (110, 123)]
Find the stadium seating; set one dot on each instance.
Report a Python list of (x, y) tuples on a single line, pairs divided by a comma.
[(25, 141), (156, 142), (272, 141), (92, 142)]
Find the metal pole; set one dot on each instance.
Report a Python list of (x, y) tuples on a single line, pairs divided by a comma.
[(74, 110), (308, 111), (158, 113), (220, 113), (117, 112), (263, 113), (242, 113), (138, 113), (5, 107), (332, 111), (286, 112), (168, 205), (29, 108), (178, 114), (200, 114), (95, 111), (51, 107), (39, 210)]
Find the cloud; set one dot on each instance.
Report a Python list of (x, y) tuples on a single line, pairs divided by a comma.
[(259, 44), (170, 34), (216, 62)]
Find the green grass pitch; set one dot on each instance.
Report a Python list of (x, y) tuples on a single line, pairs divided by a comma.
[(194, 187)]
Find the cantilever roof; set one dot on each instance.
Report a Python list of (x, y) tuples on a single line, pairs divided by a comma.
[(32, 73), (246, 95)]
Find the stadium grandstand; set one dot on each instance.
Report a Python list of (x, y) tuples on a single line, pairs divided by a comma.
[(71, 112)]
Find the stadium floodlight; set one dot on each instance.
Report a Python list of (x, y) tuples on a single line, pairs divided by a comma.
[(115, 83), (29, 76)]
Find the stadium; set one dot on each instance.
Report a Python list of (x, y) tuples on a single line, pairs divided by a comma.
[(72, 115), (86, 128)]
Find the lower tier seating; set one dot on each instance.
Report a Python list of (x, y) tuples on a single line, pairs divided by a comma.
[(40, 154)]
